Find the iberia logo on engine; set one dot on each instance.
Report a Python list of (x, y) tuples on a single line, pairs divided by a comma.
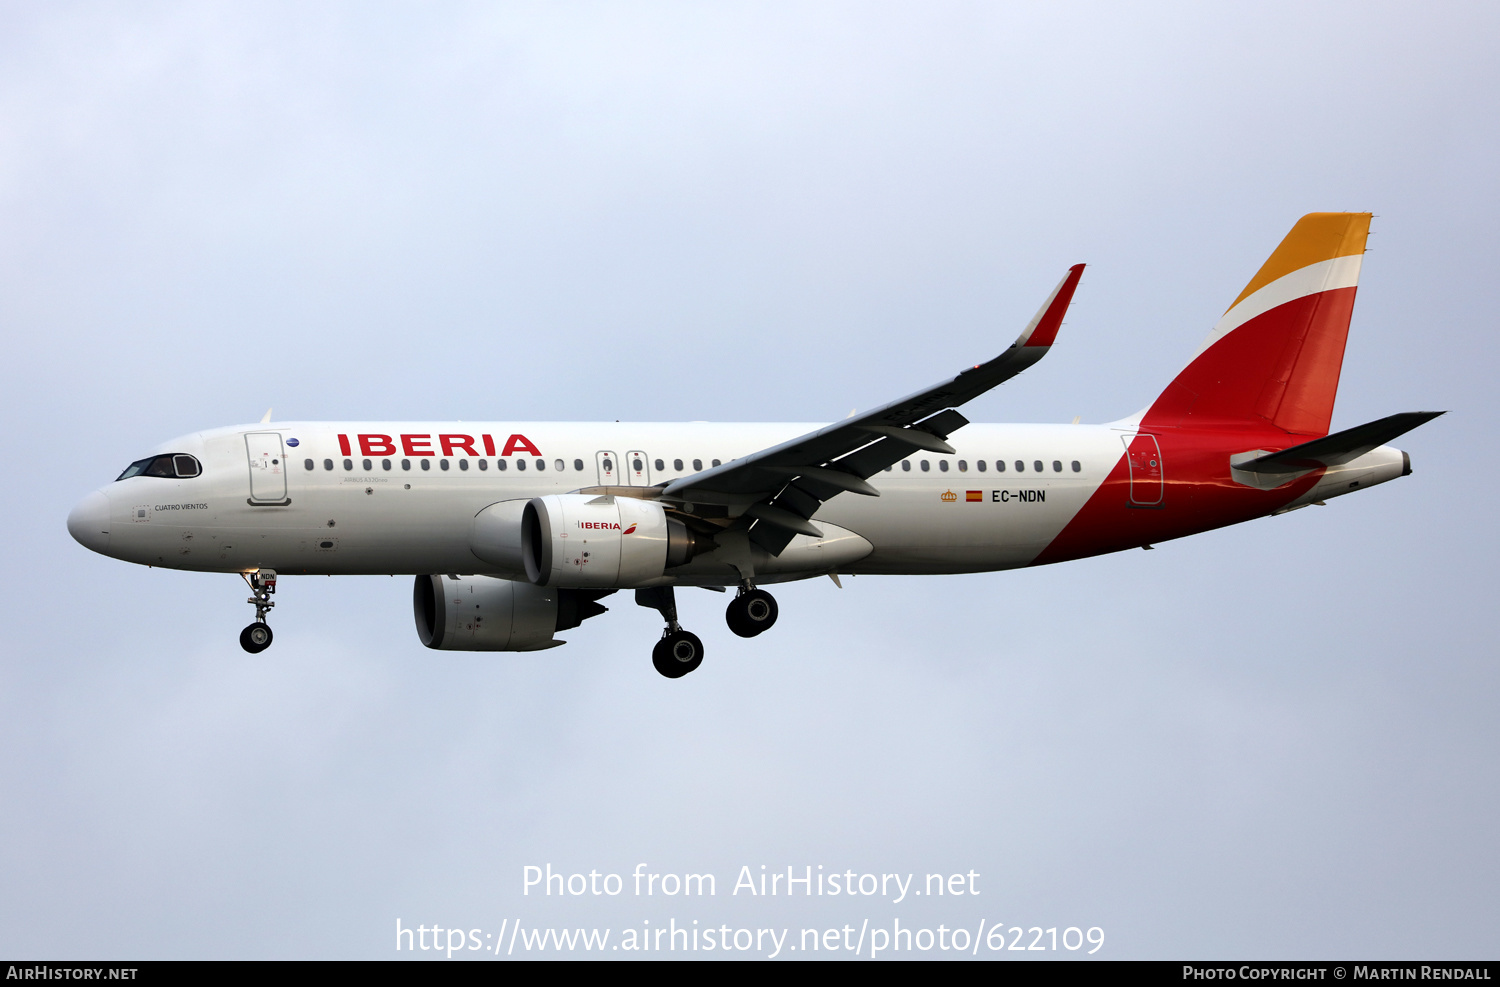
[(601, 526)]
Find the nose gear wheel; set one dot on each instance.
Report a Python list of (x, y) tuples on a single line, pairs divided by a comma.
[(256, 638)]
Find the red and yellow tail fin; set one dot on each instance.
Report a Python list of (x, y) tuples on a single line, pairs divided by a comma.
[(1275, 356)]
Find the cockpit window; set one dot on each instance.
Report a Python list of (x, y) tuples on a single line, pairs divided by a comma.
[(171, 465)]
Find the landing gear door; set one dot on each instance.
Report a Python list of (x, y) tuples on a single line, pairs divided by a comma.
[(637, 469), (1144, 456), (609, 468), (267, 467)]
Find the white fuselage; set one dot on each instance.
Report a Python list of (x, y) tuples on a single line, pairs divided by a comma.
[(410, 511)]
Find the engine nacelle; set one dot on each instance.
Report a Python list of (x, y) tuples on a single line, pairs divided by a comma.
[(581, 541), (483, 613)]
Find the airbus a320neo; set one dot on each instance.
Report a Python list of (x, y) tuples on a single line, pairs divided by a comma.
[(515, 531)]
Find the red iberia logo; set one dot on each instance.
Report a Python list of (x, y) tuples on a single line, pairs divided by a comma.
[(949, 496), (974, 496), (629, 530)]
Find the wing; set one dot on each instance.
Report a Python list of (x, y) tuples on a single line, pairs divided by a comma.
[(780, 488)]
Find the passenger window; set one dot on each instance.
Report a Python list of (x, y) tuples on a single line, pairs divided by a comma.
[(981, 464), (541, 464), (368, 465), (348, 465), (999, 466), (1077, 468), (427, 464), (578, 465), (406, 464), (963, 467), (926, 466), (888, 469), (660, 466), (697, 464), (520, 464), (677, 465), (609, 465), (1057, 466), (906, 465), (328, 464), (443, 464), (637, 465), (484, 464), (500, 465), (309, 464), (1020, 466), (463, 464), (385, 464), (559, 465), (943, 465), (1037, 465), (716, 462)]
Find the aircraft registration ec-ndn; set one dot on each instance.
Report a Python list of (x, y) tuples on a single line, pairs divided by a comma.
[(514, 532)]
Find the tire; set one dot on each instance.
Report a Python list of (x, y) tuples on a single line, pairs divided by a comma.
[(752, 613), (256, 638), (677, 654)]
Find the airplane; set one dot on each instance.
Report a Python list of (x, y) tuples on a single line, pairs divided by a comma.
[(515, 532)]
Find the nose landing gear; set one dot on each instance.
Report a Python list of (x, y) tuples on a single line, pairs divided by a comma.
[(751, 612), (257, 637), (679, 651)]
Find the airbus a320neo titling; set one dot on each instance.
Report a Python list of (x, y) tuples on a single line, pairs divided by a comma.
[(515, 531)]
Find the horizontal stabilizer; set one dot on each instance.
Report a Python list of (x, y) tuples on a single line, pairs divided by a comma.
[(1340, 447)]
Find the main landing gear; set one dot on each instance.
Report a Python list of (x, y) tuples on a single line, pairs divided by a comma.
[(679, 651), (257, 637), (751, 612)]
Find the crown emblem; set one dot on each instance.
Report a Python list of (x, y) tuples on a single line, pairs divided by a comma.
[(949, 496)]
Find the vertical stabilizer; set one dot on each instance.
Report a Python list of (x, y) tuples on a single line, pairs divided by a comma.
[(1275, 356)]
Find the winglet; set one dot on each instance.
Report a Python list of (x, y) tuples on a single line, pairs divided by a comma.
[(1048, 319)]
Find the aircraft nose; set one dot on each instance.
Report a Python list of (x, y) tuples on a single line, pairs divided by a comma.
[(88, 523)]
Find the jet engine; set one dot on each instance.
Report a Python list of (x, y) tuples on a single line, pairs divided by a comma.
[(483, 613), (577, 540)]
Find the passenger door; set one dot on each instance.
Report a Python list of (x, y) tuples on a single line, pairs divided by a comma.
[(267, 467), (1145, 470)]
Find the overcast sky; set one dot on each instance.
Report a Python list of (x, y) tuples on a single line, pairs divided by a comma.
[(1274, 740)]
